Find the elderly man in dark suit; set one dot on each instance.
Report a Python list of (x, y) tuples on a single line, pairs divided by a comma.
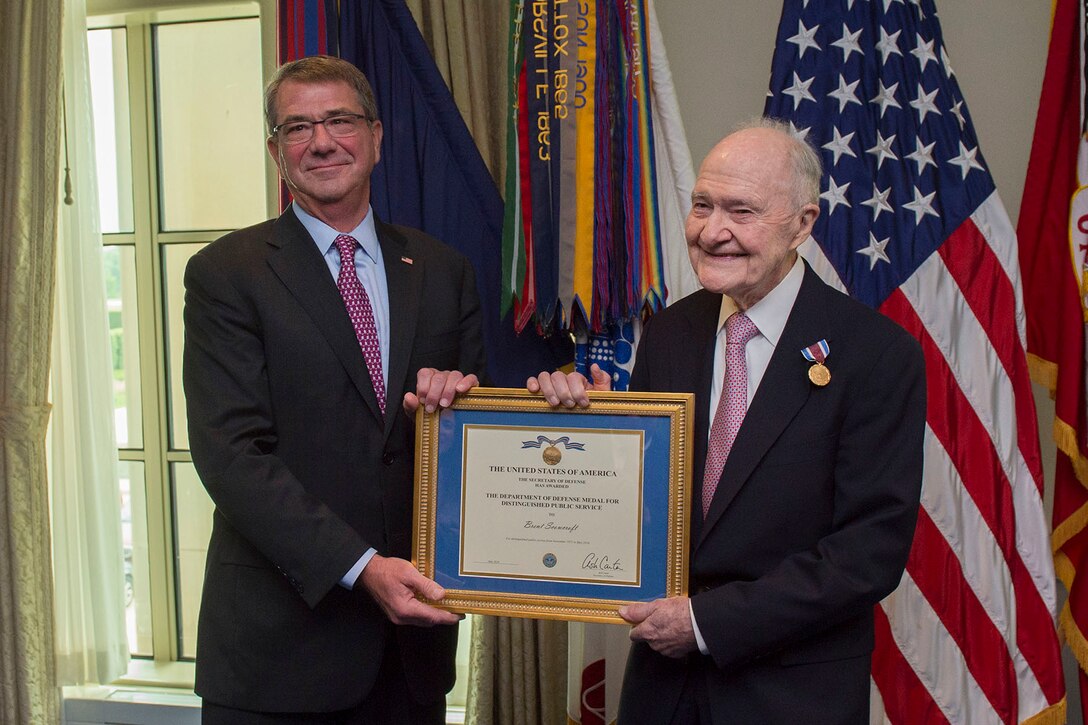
[(810, 413), (310, 340)]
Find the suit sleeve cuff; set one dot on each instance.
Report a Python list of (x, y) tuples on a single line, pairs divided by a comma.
[(695, 628), (349, 579)]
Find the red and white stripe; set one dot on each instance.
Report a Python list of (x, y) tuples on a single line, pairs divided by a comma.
[(969, 635)]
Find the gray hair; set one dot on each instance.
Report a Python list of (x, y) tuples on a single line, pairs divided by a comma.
[(807, 167), (319, 69)]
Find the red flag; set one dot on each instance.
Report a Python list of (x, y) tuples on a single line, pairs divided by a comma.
[(1053, 233)]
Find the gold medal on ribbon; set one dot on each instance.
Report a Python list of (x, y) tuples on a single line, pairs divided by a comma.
[(819, 374), (552, 455), (816, 353)]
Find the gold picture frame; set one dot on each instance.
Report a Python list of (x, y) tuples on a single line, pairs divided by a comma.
[(508, 528)]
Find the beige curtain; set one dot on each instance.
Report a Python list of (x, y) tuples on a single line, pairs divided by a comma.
[(518, 667), (468, 39), (518, 672), (30, 49)]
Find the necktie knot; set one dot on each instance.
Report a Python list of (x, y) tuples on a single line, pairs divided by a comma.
[(346, 244), (739, 329)]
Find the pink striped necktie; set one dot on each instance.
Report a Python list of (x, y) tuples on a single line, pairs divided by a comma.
[(732, 405), (361, 313)]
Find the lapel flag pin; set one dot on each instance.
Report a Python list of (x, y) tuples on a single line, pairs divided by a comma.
[(406, 260), (816, 353)]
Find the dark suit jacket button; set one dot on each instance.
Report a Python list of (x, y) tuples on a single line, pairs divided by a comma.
[(388, 459)]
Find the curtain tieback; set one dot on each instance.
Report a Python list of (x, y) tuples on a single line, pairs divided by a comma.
[(24, 423)]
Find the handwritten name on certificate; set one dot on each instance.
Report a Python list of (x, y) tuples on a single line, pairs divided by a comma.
[(547, 503)]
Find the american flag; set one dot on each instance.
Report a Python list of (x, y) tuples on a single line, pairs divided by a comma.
[(912, 225)]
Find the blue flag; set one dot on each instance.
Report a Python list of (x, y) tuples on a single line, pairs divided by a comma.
[(431, 175)]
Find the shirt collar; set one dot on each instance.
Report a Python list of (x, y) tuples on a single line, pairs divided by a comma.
[(769, 315), (325, 236)]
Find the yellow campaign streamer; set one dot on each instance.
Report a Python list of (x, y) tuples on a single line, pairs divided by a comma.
[(584, 112)]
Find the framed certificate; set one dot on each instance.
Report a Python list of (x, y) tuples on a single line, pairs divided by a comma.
[(526, 510)]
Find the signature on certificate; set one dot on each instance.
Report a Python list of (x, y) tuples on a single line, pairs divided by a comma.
[(602, 562)]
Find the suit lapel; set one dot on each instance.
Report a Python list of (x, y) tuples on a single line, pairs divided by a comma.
[(781, 394), (303, 271), (405, 282), (702, 332)]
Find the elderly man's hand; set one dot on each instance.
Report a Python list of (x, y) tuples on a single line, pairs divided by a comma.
[(437, 389), (569, 389), (664, 624)]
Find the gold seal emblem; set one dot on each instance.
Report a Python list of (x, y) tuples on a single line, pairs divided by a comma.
[(819, 374), (552, 455)]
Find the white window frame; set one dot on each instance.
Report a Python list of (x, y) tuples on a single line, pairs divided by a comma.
[(142, 686)]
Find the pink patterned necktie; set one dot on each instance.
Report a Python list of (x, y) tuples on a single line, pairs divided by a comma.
[(732, 405), (361, 314)]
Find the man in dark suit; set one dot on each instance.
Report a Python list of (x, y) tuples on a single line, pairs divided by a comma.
[(810, 412), (297, 332)]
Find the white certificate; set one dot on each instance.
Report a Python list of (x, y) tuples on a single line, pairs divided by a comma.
[(552, 504), (526, 510)]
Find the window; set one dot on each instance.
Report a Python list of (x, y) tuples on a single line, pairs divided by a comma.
[(181, 160), (179, 140)]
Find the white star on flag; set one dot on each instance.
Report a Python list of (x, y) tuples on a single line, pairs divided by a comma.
[(885, 97), (883, 149), (947, 63), (875, 251), (835, 195), (844, 94), (805, 38), (888, 45), (849, 43), (840, 145), (924, 103), (799, 90), (924, 52), (957, 111), (922, 205), (966, 160), (922, 155), (879, 202)]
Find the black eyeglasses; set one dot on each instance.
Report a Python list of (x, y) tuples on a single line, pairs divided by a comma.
[(339, 126)]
